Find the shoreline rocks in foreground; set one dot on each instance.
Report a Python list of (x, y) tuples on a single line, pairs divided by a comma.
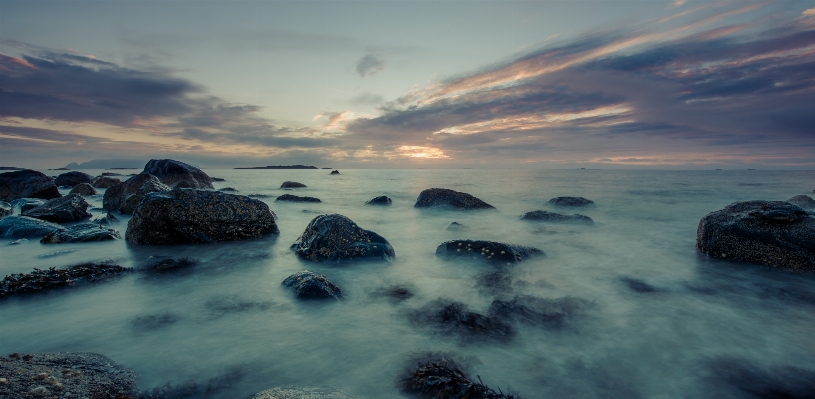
[(544, 216), (771, 233), (177, 174), (186, 215), (489, 251), (335, 237), (83, 232), (16, 227), (443, 197), (310, 285), (27, 184), (69, 208)]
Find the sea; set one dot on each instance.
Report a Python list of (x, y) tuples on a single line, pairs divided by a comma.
[(661, 319)]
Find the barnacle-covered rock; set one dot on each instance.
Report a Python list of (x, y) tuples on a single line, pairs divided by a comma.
[(300, 393), (443, 197), (310, 285), (44, 280), (441, 377), (490, 251), (336, 237)]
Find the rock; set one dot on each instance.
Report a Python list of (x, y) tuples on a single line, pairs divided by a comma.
[(228, 190), (447, 198), (105, 182), (741, 378), (217, 179), (110, 174), (44, 280), (538, 311), (300, 393), (310, 285), (334, 172), (336, 237), (490, 251), (27, 184), (292, 184), (69, 208), (456, 226), (169, 265), (381, 200), (637, 285), (74, 178), (18, 242), (570, 201), (108, 219), (177, 174), (295, 198), (804, 201), (15, 227), (82, 374), (442, 377), (126, 196), (772, 233), (494, 283), (196, 216), (455, 318), (24, 204), (83, 189), (5, 209), (545, 216), (396, 292), (83, 232)]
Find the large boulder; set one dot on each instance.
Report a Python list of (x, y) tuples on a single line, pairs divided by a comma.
[(5, 209), (804, 201), (27, 184), (381, 200), (336, 237), (490, 251), (292, 184), (83, 232), (83, 189), (74, 178), (16, 227), (544, 216), (69, 208), (126, 196), (185, 215), (570, 201), (300, 393), (105, 182), (310, 285), (177, 174), (772, 233), (443, 197)]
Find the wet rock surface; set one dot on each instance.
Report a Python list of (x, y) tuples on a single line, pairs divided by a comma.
[(105, 181), (570, 201), (544, 216), (27, 184), (292, 184), (381, 200), (125, 197), (83, 189), (334, 172), (24, 204), (83, 232), (228, 190), (455, 318), (441, 377), (69, 208), (771, 233), (65, 375), (169, 265), (310, 285), (490, 251), (106, 220), (53, 278), (300, 393), (5, 209), (295, 198), (804, 201), (72, 179), (336, 237), (456, 226), (446, 198), (16, 227), (176, 174), (538, 311), (196, 216)]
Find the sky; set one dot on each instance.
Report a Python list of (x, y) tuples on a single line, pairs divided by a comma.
[(410, 84)]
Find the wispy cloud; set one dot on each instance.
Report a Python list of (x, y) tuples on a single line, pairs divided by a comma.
[(370, 64)]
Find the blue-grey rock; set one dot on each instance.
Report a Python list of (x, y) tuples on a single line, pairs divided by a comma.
[(336, 237), (804, 201), (292, 184), (295, 198), (126, 196), (570, 201), (73, 178), (489, 251), (24, 204), (310, 285), (545, 216), (15, 227), (381, 200), (69, 208), (27, 184), (83, 189), (456, 226), (105, 181), (300, 393), (6, 209), (176, 174), (83, 232), (446, 198)]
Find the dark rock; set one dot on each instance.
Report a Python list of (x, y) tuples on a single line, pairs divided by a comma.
[(334, 172), (494, 283), (336, 237), (83, 189), (538, 311), (105, 182), (772, 233), (556, 217), (24, 204), (217, 179), (300, 393), (442, 197), (744, 379), (455, 318), (111, 174), (15, 227), (5, 209), (125, 197), (18, 242), (443, 378), (228, 190), (185, 215), (169, 265), (44, 280), (381, 200), (292, 184), (638, 285), (258, 196), (804, 201), (570, 201), (108, 219), (27, 184), (395, 292), (83, 232), (69, 208), (74, 178), (82, 374), (490, 251), (177, 174), (294, 198), (310, 285), (153, 322), (456, 226)]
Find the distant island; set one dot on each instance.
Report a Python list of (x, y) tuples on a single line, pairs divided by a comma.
[(281, 167), (108, 164), (10, 168)]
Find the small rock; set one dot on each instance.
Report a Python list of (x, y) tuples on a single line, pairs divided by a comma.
[(334, 172), (84, 232), (336, 237), (39, 392), (105, 181), (310, 285), (228, 190), (292, 184), (442, 377), (83, 189), (217, 179), (381, 200), (446, 198), (300, 393), (545, 216), (456, 226), (69, 208), (570, 201), (18, 242), (108, 219), (295, 198)]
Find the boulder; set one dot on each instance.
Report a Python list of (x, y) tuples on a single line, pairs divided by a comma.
[(804, 201), (15, 227), (336, 237), (334, 172), (217, 179), (177, 174), (105, 182), (292, 184), (185, 215), (108, 219), (490, 251), (300, 393), (64, 375), (310, 285), (442, 197), (295, 198), (83, 189), (83, 232), (381, 200), (126, 196), (74, 178), (53, 278), (545, 216), (442, 377), (570, 201), (5, 209), (27, 184), (69, 208), (772, 233), (456, 226)]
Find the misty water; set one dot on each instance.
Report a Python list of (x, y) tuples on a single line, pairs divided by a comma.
[(228, 320)]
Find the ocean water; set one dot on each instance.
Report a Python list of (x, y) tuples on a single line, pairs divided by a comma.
[(708, 329)]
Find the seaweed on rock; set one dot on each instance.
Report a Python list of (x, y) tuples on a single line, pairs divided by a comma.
[(444, 378), (45, 280)]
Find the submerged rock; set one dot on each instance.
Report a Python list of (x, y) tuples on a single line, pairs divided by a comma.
[(455, 318), (69, 208), (5, 209), (228, 190), (217, 179), (24, 204), (442, 197), (27, 184), (494, 283), (292, 184), (16, 227), (310, 285), (185, 215), (381, 200), (169, 265), (83, 232), (443, 378), (538, 311), (125, 197), (570, 201), (110, 174), (72, 179), (83, 189), (105, 181), (45, 280), (176, 174), (744, 379), (108, 219), (300, 393), (295, 198), (637, 285), (545, 216), (804, 201), (772, 233), (336, 237), (334, 172), (456, 226), (491, 251)]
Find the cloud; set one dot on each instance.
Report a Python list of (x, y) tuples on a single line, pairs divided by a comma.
[(367, 99), (370, 64)]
